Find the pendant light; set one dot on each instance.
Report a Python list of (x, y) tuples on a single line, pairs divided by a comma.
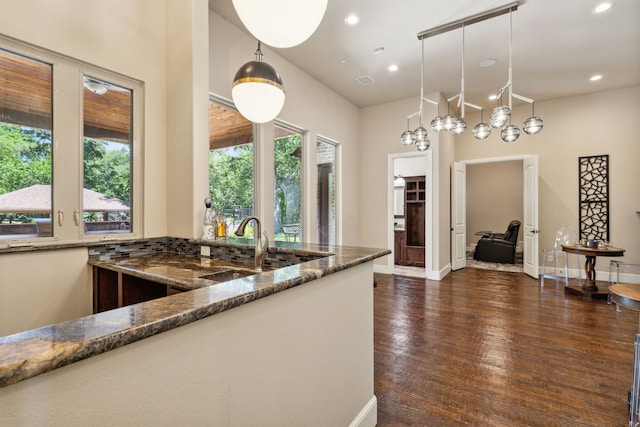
[(281, 23), (482, 130), (258, 92), (461, 125), (533, 124), (418, 136), (510, 133)]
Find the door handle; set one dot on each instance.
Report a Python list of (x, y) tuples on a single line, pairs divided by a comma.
[(76, 217), (60, 217)]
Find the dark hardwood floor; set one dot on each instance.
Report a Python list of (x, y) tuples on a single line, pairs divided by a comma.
[(485, 348)]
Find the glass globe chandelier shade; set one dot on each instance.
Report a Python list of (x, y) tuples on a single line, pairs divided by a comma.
[(408, 138), (510, 133), (532, 125), (449, 122), (460, 127), (281, 23), (481, 131), (420, 133), (500, 116), (423, 145), (437, 124), (258, 92)]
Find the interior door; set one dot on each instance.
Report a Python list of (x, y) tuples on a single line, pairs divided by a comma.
[(530, 231), (458, 216)]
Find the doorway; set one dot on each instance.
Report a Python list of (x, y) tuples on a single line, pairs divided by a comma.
[(409, 174), (528, 166)]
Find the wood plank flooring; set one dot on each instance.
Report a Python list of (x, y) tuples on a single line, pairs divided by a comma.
[(486, 348)]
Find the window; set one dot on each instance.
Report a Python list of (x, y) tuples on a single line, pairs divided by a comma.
[(326, 159), (45, 193), (231, 165), (287, 155), (25, 146), (106, 193)]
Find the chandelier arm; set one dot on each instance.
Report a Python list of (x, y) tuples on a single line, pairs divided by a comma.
[(453, 97), (432, 102), (523, 98), (477, 107)]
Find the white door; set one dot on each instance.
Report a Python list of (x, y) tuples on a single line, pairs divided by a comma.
[(458, 216), (530, 220)]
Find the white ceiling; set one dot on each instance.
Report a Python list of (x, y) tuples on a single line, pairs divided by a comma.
[(557, 46)]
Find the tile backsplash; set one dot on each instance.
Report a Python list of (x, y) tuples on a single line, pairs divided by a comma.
[(234, 253)]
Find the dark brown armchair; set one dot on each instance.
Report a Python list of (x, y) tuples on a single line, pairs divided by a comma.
[(499, 247)]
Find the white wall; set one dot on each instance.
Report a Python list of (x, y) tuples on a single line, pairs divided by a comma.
[(309, 105)]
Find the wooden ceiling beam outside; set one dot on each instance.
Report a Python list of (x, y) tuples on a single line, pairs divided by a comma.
[(26, 94)]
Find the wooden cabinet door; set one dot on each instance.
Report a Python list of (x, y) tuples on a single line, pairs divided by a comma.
[(398, 247), (105, 290)]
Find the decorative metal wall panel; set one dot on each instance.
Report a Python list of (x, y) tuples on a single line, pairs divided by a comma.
[(593, 188)]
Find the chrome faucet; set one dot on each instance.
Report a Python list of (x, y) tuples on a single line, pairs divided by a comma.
[(260, 248)]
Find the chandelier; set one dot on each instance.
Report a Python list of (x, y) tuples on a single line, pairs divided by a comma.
[(500, 115)]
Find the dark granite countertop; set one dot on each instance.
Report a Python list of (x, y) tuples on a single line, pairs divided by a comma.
[(179, 271), (37, 351)]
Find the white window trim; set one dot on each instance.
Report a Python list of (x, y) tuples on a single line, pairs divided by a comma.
[(67, 144)]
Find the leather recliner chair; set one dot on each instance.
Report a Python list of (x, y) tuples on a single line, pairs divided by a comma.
[(500, 248)]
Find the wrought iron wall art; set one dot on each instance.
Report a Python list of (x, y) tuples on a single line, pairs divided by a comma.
[(593, 188)]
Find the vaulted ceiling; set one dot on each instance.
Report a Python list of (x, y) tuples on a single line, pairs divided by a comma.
[(557, 47)]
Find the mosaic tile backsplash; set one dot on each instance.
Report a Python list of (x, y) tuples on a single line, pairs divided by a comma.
[(234, 253)]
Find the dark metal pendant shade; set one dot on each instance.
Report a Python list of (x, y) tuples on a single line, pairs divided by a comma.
[(258, 72)]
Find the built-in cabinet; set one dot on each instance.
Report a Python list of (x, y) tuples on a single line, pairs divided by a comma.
[(409, 244), (112, 290)]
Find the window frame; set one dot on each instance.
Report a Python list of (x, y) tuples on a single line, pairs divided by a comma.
[(67, 148), (304, 146)]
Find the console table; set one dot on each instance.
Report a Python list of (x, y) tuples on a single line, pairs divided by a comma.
[(589, 289)]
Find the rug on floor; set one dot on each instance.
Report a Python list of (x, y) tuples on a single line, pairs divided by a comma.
[(516, 268)]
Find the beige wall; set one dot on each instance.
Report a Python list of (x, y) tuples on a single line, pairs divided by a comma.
[(575, 127), (380, 130), (494, 197), (45, 287), (309, 105), (119, 35), (278, 361), (38, 290)]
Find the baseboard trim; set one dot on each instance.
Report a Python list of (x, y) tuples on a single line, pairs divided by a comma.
[(368, 416)]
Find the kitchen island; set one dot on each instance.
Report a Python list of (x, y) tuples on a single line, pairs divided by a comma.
[(289, 346)]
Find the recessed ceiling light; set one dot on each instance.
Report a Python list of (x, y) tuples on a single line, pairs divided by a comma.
[(493, 97), (392, 67), (343, 61), (351, 20), (378, 50), (490, 62), (602, 7), (595, 77)]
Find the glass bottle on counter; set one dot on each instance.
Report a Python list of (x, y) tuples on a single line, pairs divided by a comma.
[(208, 221)]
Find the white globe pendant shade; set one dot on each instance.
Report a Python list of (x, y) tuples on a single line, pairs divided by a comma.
[(281, 23), (258, 92), (258, 102)]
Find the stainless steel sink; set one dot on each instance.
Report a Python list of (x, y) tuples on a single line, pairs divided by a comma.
[(226, 275)]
